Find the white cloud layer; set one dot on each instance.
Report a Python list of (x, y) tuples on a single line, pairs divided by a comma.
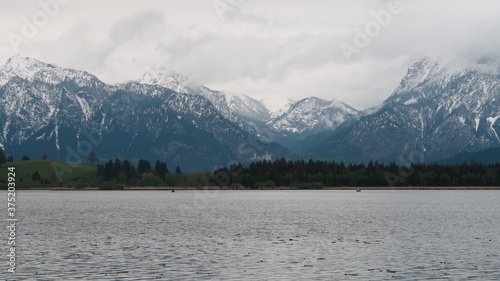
[(354, 51)]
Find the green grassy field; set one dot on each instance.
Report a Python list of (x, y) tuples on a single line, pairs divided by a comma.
[(54, 173)]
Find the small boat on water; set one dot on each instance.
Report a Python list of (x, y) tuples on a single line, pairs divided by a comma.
[(173, 190), (358, 190)]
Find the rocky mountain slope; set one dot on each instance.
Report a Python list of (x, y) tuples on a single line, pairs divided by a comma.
[(247, 112), (67, 113), (312, 115), (282, 120), (437, 111)]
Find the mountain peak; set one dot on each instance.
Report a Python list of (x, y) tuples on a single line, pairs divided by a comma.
[(419, 72), (31, 69), (20, 61), (166, 78), (437, 111), (312, 101), (277, 104), (24, 67), (312, 115)]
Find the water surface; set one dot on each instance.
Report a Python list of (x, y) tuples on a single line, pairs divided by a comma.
[(260, 235)]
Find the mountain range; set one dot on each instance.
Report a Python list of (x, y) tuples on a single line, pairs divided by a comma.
[(436, 112), (67, 113)]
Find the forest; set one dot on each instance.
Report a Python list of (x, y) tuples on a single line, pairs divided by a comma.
[(303, 175), (318, 174), (298, 174)]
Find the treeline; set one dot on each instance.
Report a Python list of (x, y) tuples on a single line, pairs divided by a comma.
[(317, 174), (119, 173), (264, 174)]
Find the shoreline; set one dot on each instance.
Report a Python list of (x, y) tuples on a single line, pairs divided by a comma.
[(139, 188)]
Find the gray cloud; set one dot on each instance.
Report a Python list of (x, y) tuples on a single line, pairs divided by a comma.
[(142, 25), (262, 48)]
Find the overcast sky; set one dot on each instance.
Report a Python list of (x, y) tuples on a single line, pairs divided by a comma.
[(353, 51)]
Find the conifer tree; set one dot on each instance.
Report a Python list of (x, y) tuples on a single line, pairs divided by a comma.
[(3, 159), (178, 170), (109, 171)]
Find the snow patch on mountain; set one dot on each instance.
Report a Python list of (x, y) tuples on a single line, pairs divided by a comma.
[(33, 70), (166, 78), (313, 115), (277, 105), (492, 121), (261, 117), (247, 112), (419, 72), (87, 112), (454, 109)]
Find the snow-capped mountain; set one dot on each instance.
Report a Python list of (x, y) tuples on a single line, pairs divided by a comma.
[(34, 94), (271, 119), (249, 113), (33, 70), (168, 79), (277, 106), (437, 111), (67, 113), (312, 115)]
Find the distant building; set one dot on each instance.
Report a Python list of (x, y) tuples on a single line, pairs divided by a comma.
[(266, 157)]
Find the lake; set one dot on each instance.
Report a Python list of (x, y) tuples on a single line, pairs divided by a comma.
[(258, 235)]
